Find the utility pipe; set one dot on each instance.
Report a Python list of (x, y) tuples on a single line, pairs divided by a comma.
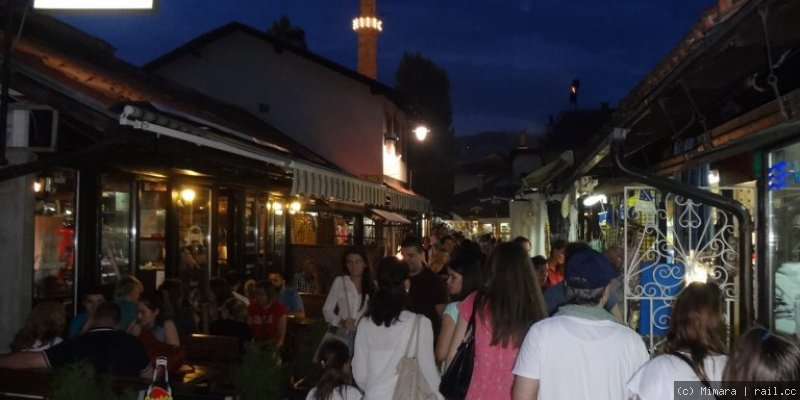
[(706, 197)]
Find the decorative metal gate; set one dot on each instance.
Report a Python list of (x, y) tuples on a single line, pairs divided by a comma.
[(671, 240)]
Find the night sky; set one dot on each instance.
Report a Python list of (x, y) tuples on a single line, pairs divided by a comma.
[(510, 62)]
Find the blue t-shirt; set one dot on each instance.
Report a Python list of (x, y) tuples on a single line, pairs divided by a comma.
[(77, 323), (554, 297), (290, 299)]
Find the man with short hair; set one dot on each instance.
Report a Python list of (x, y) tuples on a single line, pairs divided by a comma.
[(524, 242), (448, 244), (108, 349), (427, 293), (287, 296), (540, 270), (582, 338), (487, 243), (92, 298)]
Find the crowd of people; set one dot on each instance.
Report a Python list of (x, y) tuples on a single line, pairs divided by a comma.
[(542, 327)]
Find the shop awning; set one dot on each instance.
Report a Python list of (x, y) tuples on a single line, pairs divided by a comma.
[(390, 216), (312, 181), (549, 171)]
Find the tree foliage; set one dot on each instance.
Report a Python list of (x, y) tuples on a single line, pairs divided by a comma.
[(428, 87)]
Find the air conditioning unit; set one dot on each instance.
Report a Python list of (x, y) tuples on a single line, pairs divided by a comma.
[(32, 127)]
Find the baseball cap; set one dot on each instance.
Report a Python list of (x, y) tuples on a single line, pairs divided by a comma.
[(588, 269)]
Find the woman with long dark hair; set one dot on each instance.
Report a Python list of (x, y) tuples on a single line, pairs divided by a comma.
[(335, 380), (349, 294), (694, 349), (384, 332), (763, 356), (463, 275), (509, 302), (155, 319)]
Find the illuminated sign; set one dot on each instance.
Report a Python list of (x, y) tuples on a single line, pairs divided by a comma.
[(781, 175), (93, 4)]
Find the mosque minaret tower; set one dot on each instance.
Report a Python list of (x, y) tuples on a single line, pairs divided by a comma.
[(367, 27)]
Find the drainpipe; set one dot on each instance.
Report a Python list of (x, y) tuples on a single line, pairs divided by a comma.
[(706, 197)]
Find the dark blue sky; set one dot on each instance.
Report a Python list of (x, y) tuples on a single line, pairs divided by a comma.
[(510, 62)]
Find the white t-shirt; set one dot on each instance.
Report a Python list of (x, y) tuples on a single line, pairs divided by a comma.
[(378, 350), (577, 358), (655, 380), (346, 392)]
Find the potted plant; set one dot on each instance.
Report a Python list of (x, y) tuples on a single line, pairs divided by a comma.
[(80, 381), (258, 377)]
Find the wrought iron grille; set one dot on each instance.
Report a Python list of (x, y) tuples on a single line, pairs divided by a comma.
[(671, 240)]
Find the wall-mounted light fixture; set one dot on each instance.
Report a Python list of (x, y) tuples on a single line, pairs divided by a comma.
[(188, 195)]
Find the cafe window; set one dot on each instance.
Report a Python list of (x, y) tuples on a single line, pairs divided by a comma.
[(54, 234), (783, 235), (194, 224), (115, 223)]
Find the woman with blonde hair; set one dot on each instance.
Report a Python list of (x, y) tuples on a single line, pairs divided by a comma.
[(43, 328), (695, 346)]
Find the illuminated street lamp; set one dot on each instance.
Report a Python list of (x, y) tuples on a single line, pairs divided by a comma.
[(421, 132)]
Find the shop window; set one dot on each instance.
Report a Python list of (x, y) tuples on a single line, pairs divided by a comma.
[(115, 223), (151, 248), (54, 235), (194, 223), (783, 235), (369, 231)]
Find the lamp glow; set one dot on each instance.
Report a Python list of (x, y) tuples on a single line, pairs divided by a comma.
[(594, 199), (93, 4), (295, 206), (187, 195), (421, 132), (37, 186)]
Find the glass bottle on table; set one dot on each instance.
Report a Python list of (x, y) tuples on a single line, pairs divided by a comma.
[(159, 388)]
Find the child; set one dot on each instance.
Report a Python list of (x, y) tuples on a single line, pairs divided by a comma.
[(336, 380), (763, 356)]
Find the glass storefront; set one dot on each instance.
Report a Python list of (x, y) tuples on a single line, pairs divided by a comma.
[(783, 235), (115, 228), (54, 235)]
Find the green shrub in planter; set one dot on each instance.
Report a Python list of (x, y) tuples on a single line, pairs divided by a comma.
[(80, 381), (258, 377)]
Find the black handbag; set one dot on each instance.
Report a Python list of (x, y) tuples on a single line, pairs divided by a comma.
[(455, 381)]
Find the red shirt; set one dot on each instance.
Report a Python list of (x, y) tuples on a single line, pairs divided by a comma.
[(553, 276), (264, 320)]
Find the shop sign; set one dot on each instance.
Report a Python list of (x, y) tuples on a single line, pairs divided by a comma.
[(782, 175)]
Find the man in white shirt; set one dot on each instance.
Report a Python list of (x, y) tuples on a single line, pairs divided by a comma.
[(581, 352)]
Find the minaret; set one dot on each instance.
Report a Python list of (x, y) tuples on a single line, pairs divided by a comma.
[(367, 26)]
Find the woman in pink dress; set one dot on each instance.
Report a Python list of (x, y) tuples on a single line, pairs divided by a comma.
[(509, 303)]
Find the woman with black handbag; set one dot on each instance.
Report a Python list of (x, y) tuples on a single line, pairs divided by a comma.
[(507, 305)]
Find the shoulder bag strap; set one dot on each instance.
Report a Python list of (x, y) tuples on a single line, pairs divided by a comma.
[(471, 325), (414, 333), (346, 297), (700, 375)]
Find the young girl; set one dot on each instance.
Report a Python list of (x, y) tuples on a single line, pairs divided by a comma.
[(335, 381)]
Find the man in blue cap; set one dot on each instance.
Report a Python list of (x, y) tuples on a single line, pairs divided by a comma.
[(582, 352)]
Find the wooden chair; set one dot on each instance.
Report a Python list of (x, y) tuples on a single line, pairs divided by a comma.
[(312, 303)]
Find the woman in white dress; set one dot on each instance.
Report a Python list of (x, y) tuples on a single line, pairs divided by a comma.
[(383, 335), (349, 295), (695, 346)]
